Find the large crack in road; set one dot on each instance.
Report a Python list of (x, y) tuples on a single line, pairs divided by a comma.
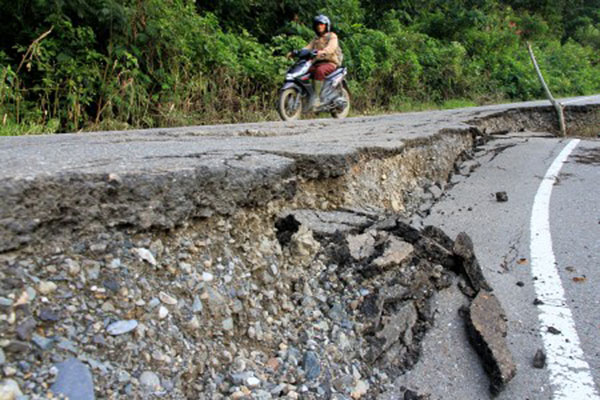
[(284, 273)]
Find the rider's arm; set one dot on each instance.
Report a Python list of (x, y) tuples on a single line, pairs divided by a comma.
[(310, 45)]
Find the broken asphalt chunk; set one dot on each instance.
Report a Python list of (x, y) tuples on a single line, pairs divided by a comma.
[(463, 248), (396, 253), (487, 328)]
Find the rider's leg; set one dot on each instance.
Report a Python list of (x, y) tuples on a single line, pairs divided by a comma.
[(317, 87), (320, 72)]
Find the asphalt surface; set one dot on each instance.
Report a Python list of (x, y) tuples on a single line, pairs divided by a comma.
[(501, 235), (163, 150)]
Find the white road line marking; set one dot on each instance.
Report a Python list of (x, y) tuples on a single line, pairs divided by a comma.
[(569, 372)]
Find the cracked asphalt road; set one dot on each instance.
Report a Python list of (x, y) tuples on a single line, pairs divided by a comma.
[(500, 232)]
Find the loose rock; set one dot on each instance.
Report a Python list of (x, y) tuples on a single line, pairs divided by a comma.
[(121, 327), (167, 299), (150, 381), (46, 287), (145, 255), (539, 360), (501, 197), (311, 365), (396, 253), (9, 390), (487, 331), (74, 380)]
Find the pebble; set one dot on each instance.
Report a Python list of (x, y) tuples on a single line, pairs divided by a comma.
[(42, 342), (238, 395), (167, 299), (98, 247), (207, 277), (48, 315), (25, 329), (252, 382), (163, 312), (74, 380), (112, 285), (73, 267), (9, 390), (197, 306), (2, 357), (311, 365), (150, 381), (93, 271), (46, 288), (115, 264), (6, 303), (23, 299), (121, 327), (228, 324), (123, 376), (501, 197), (360, 389), (145, 255), (153, 303)]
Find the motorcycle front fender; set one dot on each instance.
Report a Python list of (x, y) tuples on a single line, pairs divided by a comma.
[(289, 85)]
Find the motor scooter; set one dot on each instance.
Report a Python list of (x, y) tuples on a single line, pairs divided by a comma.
[(295, 96)]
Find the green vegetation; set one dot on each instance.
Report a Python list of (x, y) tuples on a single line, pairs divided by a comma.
[(71, 65)]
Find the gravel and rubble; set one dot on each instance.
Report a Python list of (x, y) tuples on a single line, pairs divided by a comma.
[(303, 304)]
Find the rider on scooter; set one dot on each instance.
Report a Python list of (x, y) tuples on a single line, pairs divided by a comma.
[(329, 55)]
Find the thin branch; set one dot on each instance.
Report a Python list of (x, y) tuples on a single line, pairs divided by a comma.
[(29, 53), (560, 112)]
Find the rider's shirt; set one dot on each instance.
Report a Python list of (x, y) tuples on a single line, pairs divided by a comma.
[(329, 44)]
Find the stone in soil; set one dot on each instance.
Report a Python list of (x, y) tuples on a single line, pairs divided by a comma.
[(311, 365), (121, 327), (487, 329), (145, 255), (48, 315), (25, 329), (74, 380), (9, 390), (149, 381)]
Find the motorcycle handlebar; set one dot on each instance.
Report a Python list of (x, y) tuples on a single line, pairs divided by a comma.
[(305, 53)]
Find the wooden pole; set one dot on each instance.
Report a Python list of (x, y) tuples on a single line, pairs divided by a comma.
[(560, 112)]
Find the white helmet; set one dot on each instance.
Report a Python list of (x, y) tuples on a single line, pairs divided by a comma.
[(322, 19)]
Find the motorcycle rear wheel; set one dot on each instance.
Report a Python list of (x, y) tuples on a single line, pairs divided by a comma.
[(290, 104), (339, 114)]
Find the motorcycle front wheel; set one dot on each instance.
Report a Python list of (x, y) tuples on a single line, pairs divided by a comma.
[(290, 104), (342, 112)]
